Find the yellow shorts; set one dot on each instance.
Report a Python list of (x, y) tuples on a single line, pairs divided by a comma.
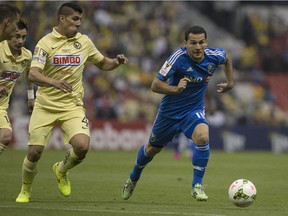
[(4, 120), (43, 121)]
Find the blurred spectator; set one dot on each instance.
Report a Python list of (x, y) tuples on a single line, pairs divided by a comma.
[(148, 31)]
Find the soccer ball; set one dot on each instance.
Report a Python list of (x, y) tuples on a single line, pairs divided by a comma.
[(242, 192)]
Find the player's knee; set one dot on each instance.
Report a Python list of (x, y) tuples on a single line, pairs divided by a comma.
[(151, 151), (202, 138), (34, 154), (6, 138), (81, 150)]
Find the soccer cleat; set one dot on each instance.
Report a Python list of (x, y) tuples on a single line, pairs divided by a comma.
[(128, 189), (63, 181), (198, 193), (23, 197)]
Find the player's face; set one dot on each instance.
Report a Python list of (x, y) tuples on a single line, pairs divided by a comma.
[(17, 42), (72, 23), (196, 43), (11, 27)]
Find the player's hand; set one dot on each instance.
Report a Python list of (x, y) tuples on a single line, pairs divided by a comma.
[(182, 84), (223, 87), (3, 91), (31, 105), (121, 59), (63, 85)]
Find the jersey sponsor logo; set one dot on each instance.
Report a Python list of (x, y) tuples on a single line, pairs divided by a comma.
[(9, 76), (195, 79), (165, 68), (66, 60)]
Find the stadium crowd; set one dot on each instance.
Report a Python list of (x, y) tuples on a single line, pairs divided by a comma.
[(146, 32)]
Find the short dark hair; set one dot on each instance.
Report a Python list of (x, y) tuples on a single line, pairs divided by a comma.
[(195, 30), (64, 9), (8, 11), (22, 25)]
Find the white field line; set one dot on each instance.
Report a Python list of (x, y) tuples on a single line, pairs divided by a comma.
[(112, 211)]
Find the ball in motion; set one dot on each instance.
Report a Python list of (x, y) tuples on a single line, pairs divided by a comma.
[(242, 193)]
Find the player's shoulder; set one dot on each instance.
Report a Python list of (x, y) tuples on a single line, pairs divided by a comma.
[(177, 54), (83, 38), (26, 52), (215, 52)]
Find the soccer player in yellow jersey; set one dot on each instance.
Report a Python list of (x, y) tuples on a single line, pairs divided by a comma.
[(14, 61), (57, 67), (9, 17)]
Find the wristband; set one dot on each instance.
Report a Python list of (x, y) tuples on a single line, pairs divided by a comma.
[(30, 94)]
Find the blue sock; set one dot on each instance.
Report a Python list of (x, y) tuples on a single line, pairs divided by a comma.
[(200, 161), (141, 161)]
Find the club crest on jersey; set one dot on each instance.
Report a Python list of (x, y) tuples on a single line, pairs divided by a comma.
[(165, 68), (211, 68), (66, 60), (77, 45), (24, 63)]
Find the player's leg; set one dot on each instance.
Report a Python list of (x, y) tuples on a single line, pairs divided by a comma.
[(40, 130), (29, 170), (200, 159), (5, 138), (162, 132), (5, 131), (76, 132), (144, 156), (195, 127)]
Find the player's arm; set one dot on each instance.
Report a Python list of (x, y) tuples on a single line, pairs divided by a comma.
[(107, 64), (30, 93), (228, 70), (36, 76), (162, 87), (3, 91)]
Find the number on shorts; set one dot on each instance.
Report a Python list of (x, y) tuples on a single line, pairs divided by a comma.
[(85, 121), (7, 119)]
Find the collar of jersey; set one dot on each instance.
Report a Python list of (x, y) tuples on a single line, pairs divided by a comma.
[(8, 52), (7, 49), (59, 36)]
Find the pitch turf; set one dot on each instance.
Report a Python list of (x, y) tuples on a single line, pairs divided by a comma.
[(164, 189)]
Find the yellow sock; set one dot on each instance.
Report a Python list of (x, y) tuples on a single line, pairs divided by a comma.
[(2, 148), (70, 161), (29, 170)]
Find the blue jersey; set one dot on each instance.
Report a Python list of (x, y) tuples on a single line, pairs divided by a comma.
[(179, 65)]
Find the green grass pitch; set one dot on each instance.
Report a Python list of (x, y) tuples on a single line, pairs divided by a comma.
[(164, 189)]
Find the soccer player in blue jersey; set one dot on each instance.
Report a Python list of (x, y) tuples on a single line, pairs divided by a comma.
[(183, 79)]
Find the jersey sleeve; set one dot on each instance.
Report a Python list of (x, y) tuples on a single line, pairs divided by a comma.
[(94, 55), (40, 55), (170, 66), (218, 55)]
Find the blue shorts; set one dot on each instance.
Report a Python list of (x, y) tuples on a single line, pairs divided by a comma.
[(165, 129)]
